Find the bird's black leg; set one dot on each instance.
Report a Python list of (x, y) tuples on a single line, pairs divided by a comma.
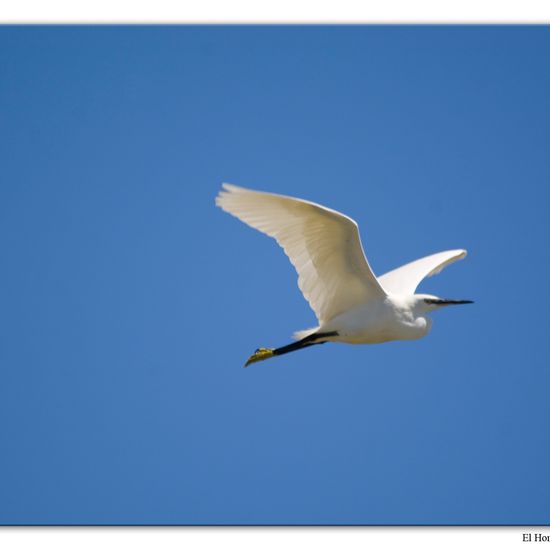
[(311, 340)]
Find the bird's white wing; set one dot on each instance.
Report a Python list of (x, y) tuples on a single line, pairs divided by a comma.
[(322, 244), (406, 278)]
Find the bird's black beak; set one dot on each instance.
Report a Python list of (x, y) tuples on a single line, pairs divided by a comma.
[(444, 302)]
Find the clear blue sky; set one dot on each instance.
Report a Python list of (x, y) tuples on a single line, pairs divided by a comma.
[(129, 302)]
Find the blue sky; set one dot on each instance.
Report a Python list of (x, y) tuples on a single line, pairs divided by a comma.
[(129, 303)]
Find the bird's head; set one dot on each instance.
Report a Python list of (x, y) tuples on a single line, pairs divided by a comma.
[(426, 302)]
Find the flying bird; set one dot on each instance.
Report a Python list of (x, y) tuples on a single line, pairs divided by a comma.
[(351, 304)]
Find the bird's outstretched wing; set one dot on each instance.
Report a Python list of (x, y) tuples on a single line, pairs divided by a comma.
[(406, 278), (322, 244)]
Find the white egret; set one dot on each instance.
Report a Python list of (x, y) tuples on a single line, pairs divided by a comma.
[(351, 304)]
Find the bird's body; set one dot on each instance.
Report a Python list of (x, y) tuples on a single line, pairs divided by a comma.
[(383, 320), (352, 305)]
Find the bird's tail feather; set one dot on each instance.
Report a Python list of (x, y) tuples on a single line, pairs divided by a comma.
[(300, 334)]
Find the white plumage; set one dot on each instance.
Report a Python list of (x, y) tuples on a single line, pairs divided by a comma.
[(405, 279), (351, 304)]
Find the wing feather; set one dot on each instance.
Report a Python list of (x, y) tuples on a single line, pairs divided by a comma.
[(406, 278), (323, 245)]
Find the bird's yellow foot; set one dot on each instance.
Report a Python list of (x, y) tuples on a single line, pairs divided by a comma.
[(260, 355)]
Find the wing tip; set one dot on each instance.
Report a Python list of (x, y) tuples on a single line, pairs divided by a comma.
[(226, 190), (458, 254), (231, 188)]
